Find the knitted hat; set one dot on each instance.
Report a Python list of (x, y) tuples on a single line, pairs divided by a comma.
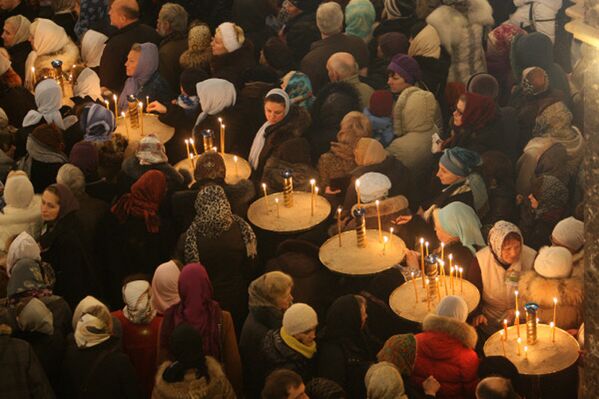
[(151, 151), (569, 233), (374, 186), (190, 78), (231, 40), (454, 307), (483, 84), (381, 103), (50, 136), (399, 8), (277, 54), (84, 155), (554, 262), (199, 38), (393, 43), (406, 67), (210, 165), (299, 318), (460, 161)]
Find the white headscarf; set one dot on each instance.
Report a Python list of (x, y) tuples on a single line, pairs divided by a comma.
[(48, 98), (92, 47), (138, 307), (215, 95), (47, 38), (87, 84), (18, 191), (569, 232), (24, 246), (454, 307), (260, 138), (22, 26)]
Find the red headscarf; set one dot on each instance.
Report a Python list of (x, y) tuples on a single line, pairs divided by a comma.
[(197, 307), (479, 110), (144, 200)]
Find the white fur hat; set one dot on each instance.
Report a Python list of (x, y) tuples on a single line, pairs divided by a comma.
[(229, 35), (554, 262), (569, 233), (374, 186), (299, 318)]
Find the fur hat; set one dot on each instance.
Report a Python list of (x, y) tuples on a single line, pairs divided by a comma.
[(569, 233), (299, 318), (554, 262), (406, 67), (230, 33), (374, 186), (483, 84)]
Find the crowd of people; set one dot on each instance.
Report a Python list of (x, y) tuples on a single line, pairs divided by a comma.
[(124, 276)]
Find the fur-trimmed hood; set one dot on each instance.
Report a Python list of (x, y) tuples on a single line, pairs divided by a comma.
[(455, 329), (541, 290)]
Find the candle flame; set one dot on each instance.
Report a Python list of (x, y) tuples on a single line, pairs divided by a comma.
[(461, 269), (377, 202), (339, 210), (450, 256), (391, 230), (504, 321), (263, 185), (277, 200), (316, 190), (519, 340), (554, 300), (386, 239), (517, 313), (191, 141), (551, 324), (358, 183), (123, 114), (516, 292), (114, 97), (412, 274), (220, 120), (312, 182), (235, 158), (501, 333)]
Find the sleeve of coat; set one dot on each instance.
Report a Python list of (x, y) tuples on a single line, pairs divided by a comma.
[(470, 374), (36, 378), (231, 357)]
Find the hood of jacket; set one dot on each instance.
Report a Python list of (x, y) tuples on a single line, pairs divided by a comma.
[(417, 111), (450, 330)]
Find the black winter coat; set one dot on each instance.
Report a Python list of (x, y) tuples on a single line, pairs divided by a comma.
[(232, 66), (300, 32), (18, 55), (277, 355)]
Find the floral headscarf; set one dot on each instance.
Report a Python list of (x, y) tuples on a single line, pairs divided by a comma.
[(497, 235), (551, 194), (298, 86)]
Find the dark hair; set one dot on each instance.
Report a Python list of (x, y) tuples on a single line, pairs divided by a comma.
[(278, 383), (130, 12), (502, 390), (136, 277), (52, 189), (275, 98), (185, 347)]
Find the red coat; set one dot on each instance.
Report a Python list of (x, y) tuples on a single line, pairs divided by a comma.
[(445, 350), (140, 343)]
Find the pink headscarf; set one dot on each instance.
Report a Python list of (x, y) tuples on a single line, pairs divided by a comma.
[(165, 290)]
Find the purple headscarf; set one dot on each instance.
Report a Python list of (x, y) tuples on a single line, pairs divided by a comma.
[(68, 202), (147, 65)]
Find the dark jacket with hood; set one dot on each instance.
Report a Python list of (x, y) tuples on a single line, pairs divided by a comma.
[(18, 55), (231, 66), (133, 170)]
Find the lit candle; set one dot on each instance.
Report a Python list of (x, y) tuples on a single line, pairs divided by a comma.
[(519, 341), (451, 271), (428, 297), (235, 162), (222, 139), (390, 231), (339, 224), (193, 145), (555, 311), (378, 217), (422, 260), (385, 240), (107, 104), (505, 327), (442, 250), (437, 287), (186, 146), (147, 102), (277, 204), (116, 106), (517, 323), (316, 190), (358, 191), (415, 288), (516, 295), (214, 149), (192, 161), (426, 246), (264, 189), (444, 277), (141, 117), (33, 77), (127, 125), (552, 325), (312, 183), (461, 279), (525, 352), (503, 342)]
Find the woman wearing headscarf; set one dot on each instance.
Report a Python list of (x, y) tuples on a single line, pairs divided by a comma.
[(22, 210), (299, 88), (502, 264), (400, 351), (92, 46), (16, 40), (299, 30), (141, 327), (64, 247), (85, 156), (232, 54), (191, 372), (269, 297), (542, 209), (569, 233), (96, 124), (94, 364), (475, 125), (359, 19), (198, 53), (86, 87), (199, 309), (542, 155), (143, 78), (284, 122), (445, 349), (383, 381), (345, 349), (49, 42), (165, 292), (226, 245)]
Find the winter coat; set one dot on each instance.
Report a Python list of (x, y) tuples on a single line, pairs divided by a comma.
[(300, 32), (529, 108), (333, 102), (382, 127), (537, 16), (183, 122), (294, 154), (231, 66), (434, 73), (314, 63), (16, 102), (102, 371), (69, 55), (156, 89), (18, 55), (364, 90), (445, 349), (416, 117), (170, 49), (13, 221), (461, 35), (216, 386), (278, 355), (112, 64), (487, 138), (133, 170), (535, 288)]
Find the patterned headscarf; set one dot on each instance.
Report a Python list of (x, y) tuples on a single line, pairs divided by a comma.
[(138, 306), (534, 81), (500, 38), (213, 217), (551, 194), (97, 122), (93, 324), (497, 235), (399, 350), (359, 18), (298, 86), (30, 277)]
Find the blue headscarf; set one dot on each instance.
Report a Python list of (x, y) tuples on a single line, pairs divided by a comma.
[(461, 162), (299, 89), (97, 123), (460, 220), (147, 66), (359, 18)]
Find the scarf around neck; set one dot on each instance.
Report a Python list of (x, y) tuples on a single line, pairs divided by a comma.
[(307, 351)]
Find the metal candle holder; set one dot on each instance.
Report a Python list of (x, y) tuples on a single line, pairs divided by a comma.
[(360, 218), (287, 188), (58, 75), (432, 272), (207, 140), (133, 111), (531, 322)]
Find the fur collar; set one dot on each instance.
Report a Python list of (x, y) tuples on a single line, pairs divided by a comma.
[(463, 332), (191, 385), (542, 290)]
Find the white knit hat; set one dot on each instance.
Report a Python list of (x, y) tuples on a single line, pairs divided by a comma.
[(554, 262), (374, 186), (229, 35), (569, 233), (454, 307), (299, 318)]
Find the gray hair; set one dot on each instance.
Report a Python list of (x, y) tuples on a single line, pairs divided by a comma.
[(329, 18), (344, 64), (72, 177), (175, 15), (62, 5)]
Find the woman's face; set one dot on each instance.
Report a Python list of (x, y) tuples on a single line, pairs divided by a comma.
[(511, 250), (306, 337), (458, 114), (8, 35), (445, 176), (442, 235), (218, 47), (285, 300), (132, 61), (396, 83), (274, 112), (50, 206)]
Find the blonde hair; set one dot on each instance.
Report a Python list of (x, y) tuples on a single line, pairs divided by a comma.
[(238, 33), (355, 125)]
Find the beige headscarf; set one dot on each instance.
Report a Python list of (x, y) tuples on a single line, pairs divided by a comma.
[(47, 38), (93, 324), (36, 317), (369, 152), (426, 43), (21, 25)]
